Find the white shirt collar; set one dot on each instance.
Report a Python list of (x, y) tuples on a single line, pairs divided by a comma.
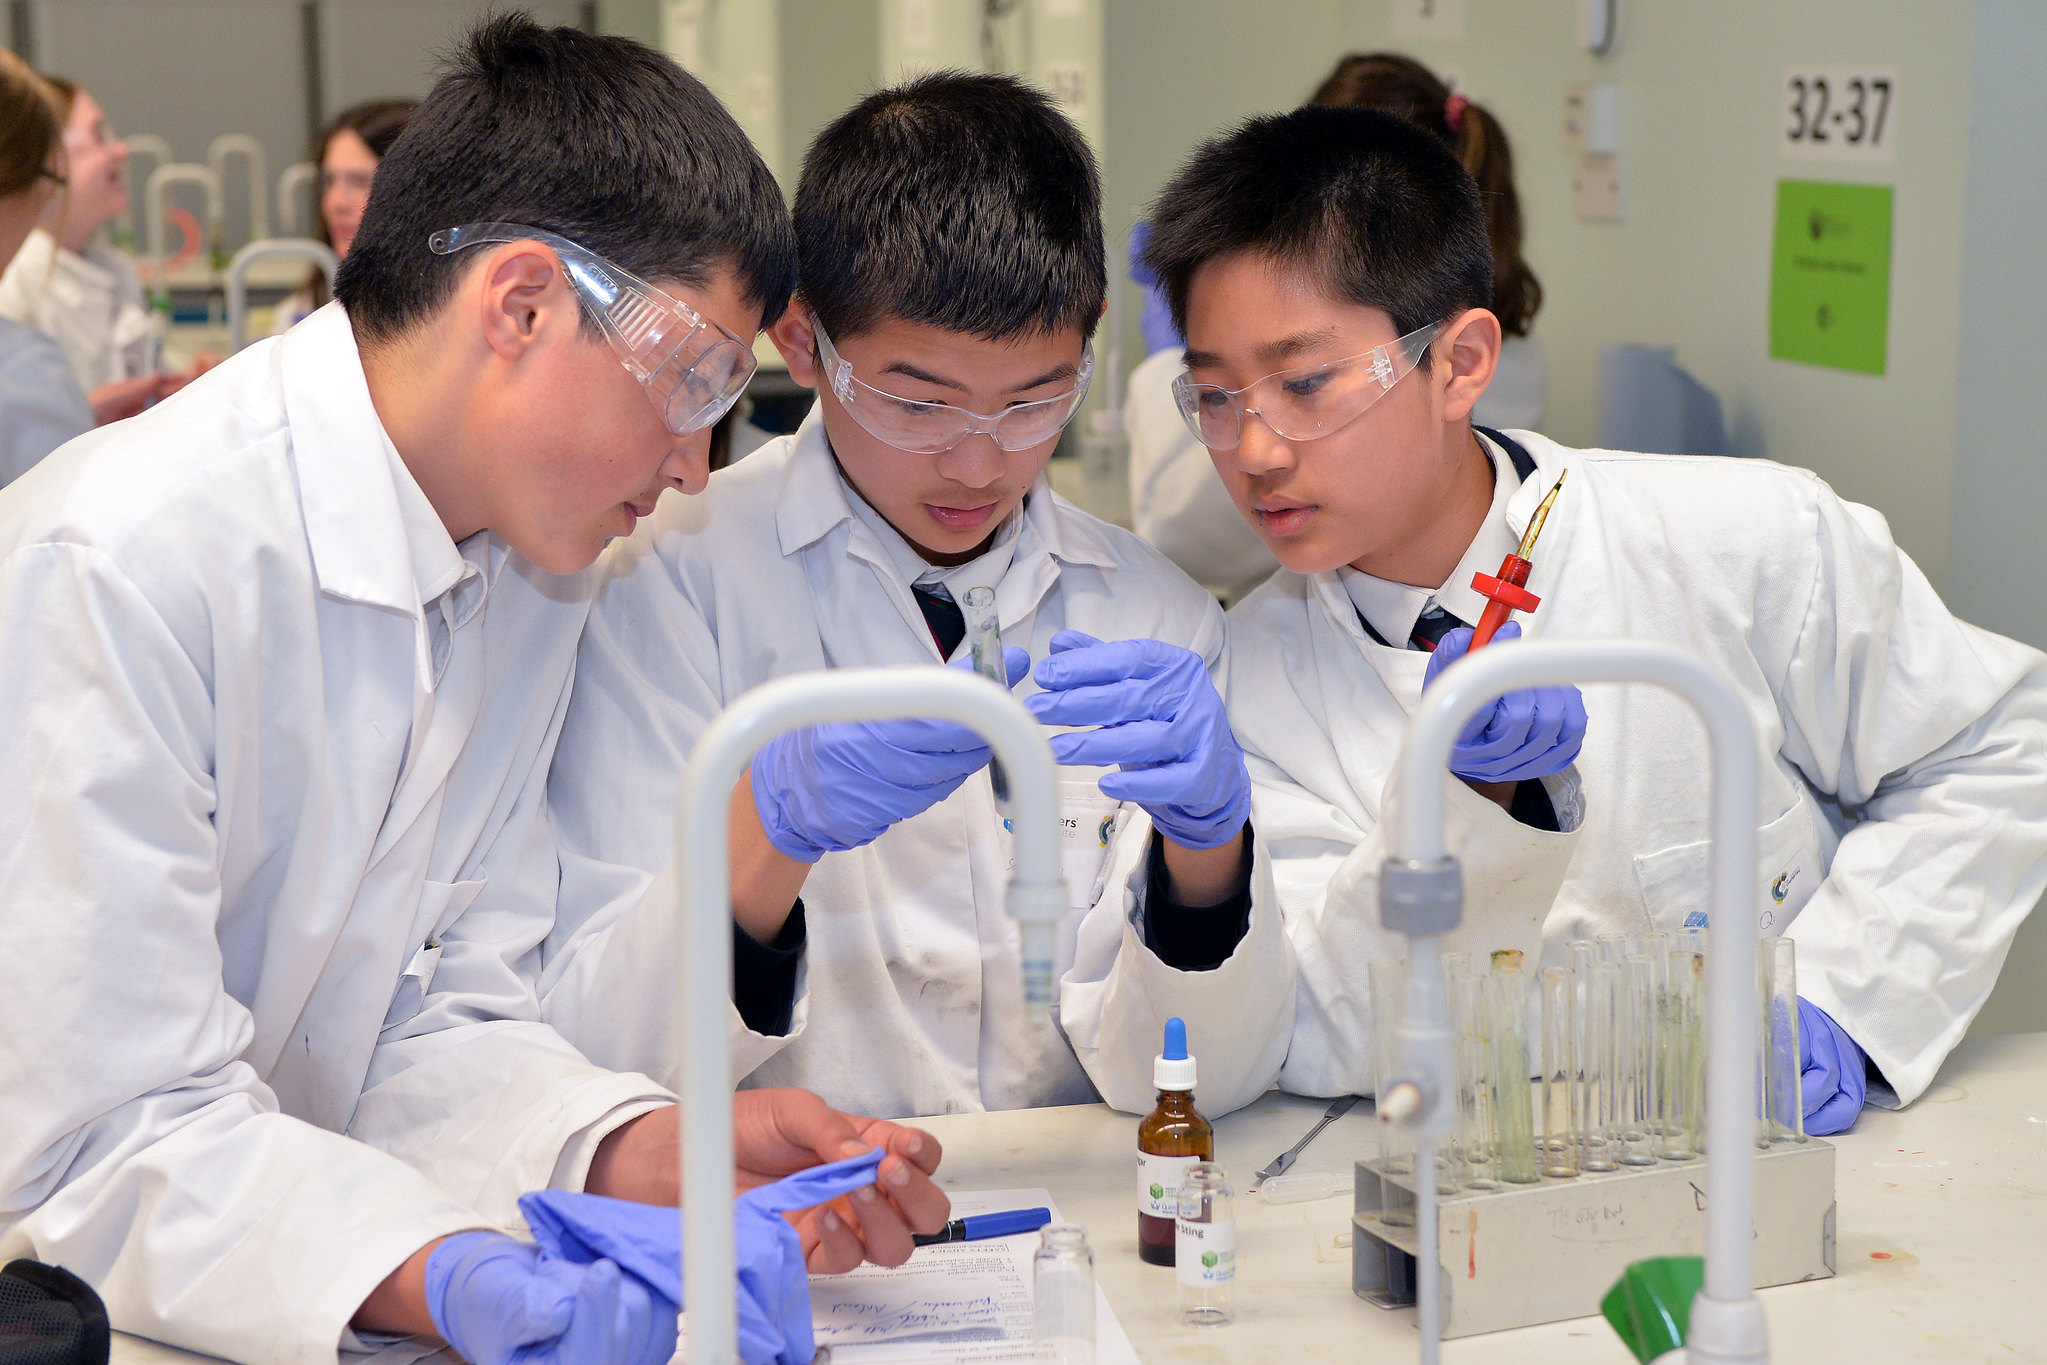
[(1393, 608), (374, 535)]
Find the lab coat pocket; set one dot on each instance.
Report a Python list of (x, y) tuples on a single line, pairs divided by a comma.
[(440, 905), (1675, 882)]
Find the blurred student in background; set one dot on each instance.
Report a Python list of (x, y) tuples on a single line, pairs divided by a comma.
[(347, 151), (41, 405), (1178, 503), (77, 291)]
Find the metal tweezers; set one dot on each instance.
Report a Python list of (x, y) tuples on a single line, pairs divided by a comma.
[(1286, 1158)]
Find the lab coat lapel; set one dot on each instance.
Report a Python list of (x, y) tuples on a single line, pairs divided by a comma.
[(814, 521), (365, 570)]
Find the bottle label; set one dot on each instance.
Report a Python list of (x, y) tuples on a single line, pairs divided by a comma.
[(1205, 1254), (1158, 1183)]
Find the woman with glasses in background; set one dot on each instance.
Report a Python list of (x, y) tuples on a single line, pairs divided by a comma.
[(41, 405)]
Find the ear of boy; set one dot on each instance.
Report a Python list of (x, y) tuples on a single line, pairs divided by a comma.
[(1470, 342), (512, 418)]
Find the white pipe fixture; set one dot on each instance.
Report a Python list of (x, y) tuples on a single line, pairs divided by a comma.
[(317, 253), (1420, 896), (255, 167), (159, 152), (298, 188), (156, 200), (1037, 899)]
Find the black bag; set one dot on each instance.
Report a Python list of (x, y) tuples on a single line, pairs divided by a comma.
[(48, 1316)]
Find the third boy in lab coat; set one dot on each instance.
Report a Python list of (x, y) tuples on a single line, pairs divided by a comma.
[(949, 234), (1903, 816)]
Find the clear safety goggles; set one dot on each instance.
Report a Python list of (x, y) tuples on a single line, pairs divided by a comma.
[(924, 427), (1301, 404), (692, 368)]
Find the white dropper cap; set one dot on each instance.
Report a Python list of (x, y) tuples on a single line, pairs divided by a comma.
[(1175, 1069)]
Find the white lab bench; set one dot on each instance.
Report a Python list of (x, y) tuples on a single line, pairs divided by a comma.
[(1942, 1234)]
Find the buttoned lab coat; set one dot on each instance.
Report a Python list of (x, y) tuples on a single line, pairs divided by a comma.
[(90, 303), (912, 998), (1902, 807), (247, 779)]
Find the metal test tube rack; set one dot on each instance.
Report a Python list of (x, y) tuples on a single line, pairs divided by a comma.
[(1037, 899), (1421, 895)]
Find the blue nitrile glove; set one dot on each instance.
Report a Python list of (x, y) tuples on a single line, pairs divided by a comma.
[(1833, 1077), (500, 1301), (828, 788), (1531, 733), (1161, 722), (1155, 320), (646, 1241)]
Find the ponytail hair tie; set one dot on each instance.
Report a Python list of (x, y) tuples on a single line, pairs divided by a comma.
[(1453, 112)]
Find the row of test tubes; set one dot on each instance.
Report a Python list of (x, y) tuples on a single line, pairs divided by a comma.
[(1622, 1062)]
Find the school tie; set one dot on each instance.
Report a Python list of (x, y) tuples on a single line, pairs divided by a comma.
[(1430, 629), (943, 615)]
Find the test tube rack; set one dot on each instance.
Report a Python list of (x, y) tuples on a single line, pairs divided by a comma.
[(1519, 1255)]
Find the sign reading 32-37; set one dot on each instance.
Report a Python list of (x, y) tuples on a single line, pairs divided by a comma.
[(1839, 113)]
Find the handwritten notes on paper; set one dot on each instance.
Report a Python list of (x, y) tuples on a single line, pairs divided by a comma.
[(909, 1302)]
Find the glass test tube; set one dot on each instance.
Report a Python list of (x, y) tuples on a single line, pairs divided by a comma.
[(1388, 976), (984, 644), (1598, 1068), (1507, 1005), (1692, 939), (1783, 1102), (1456, 965), (1684, 1050), (1477, 1136), (1612, 947), (1063, 1297), (1655, 945), (1635, 1107), (1559, 1148)]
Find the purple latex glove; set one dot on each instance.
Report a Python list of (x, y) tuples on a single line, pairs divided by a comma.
[(1531, 733), (1155, 321), (827, 788), (500, 1301), (1833, 1077), (1159, 721), (645, 1240)]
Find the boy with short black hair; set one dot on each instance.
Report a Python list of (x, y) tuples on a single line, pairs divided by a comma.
[(1329, 267), (950, 275), (288, 656)]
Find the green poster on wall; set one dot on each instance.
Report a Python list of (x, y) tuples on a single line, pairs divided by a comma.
[(1830, 274)]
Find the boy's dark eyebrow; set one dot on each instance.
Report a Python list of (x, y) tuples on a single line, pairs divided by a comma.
[(1272, 352), (1287, 347), (906, 369)]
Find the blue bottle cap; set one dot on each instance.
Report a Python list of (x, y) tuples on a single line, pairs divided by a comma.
[(1176, 1040)]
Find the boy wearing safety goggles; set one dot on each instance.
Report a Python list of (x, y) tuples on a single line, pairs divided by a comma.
[(286, 659), (950, 275), (1331, 271)]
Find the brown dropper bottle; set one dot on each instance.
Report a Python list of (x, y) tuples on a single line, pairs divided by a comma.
[(1172, 1138)]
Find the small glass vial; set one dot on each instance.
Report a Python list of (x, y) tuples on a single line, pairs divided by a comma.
[(1063, 1297), (1205, 1246)]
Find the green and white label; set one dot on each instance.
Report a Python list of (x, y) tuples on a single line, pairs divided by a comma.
[(1205, 1254), (1158, 1183)]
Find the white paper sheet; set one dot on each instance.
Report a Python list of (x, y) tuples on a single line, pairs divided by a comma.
[(997, 1269)]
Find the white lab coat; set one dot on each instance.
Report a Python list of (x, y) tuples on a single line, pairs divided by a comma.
[(1903, 814), (41, 406), (246, 777), (1179, 505), (912, 1001), (90, 303)]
